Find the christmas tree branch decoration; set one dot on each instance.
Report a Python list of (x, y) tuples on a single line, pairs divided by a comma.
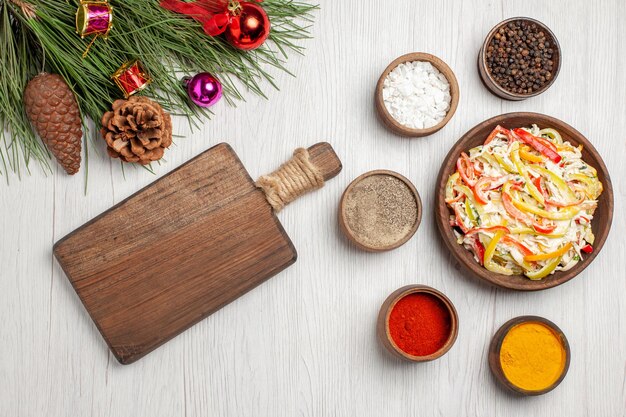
[(41, 36)]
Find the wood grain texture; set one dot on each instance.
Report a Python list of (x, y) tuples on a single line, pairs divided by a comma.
[(304, 343), (178, 250), (602, 217)]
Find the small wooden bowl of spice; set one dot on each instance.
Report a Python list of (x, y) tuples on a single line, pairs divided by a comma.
[(416, 95), (520, 58), (417, 323), (380, 210), (529, 355)]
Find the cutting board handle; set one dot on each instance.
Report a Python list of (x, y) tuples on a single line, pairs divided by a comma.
[(323, 156), (305, 172)]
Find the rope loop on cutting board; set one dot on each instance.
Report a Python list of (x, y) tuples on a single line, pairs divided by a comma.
[(294, 178)]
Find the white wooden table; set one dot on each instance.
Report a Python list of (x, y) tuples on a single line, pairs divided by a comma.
[(304, 342)]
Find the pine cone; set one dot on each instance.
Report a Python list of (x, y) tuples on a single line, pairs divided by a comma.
[(137, 130), (52, 109)]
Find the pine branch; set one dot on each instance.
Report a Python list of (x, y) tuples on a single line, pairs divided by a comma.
[(169, 46), (18, 63)]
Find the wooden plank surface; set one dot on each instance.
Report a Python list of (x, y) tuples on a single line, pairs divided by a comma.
[(304, 342)]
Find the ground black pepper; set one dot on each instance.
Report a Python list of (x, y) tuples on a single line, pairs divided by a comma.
[(380, 210), (520, 57)]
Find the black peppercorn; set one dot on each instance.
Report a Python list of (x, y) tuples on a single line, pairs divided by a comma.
[(520, 57)]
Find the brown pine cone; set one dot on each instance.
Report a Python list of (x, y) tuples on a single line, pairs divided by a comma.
[(52, 109), (137, 130)]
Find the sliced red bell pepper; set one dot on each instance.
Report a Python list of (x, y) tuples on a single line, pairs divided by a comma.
[(513, 211), (549, 201), (539, 185), (455, 199), (542, 226), (551, 255), (522, 134), (477, 168), (479, 250), (459, 218), (558, 204), (487, 183), (543, 146), (466, 170), (479, 189), (522, 248), (494, 133), (587, 248), (488, 229)]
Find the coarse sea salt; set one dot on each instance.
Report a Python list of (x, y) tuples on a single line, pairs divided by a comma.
[(417, 95)]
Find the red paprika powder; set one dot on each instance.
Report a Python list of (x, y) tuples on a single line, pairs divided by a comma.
[(420, 324)]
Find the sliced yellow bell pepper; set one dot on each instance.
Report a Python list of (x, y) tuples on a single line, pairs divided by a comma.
[(564, 214), (545, 256), (584, 178), (529, 184), (594, 186), (505, 164), (494, 267), (591, 170), (524, 153), (464, 189), (554, 135), (564, 147), (468, 193), (490, 250), (558, 181), (471, 213), (530, 231), (522, 231), (450, 186), (491, 161), (545, 271)]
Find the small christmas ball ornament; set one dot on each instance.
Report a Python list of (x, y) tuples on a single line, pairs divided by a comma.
[(131, 77), (204, 89), (249, 25), (53, 111), (94, 18)]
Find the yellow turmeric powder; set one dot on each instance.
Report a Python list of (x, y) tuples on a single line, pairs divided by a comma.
[(532, 356)]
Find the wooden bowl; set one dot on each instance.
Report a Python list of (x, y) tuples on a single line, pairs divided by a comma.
[(392, 123), (382, 325), (496, 345), (600, 224), (493, 86), (343, 222)]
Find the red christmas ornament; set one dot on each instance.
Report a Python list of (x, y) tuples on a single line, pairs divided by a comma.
[(131, 77), (245, 23), (249, 28)]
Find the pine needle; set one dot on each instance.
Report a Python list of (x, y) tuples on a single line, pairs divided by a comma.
[(169, 46)]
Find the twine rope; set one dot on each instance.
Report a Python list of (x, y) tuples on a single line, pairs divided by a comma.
[(294, 178)]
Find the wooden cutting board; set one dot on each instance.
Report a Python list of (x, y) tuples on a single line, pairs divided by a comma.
[(178, 250)]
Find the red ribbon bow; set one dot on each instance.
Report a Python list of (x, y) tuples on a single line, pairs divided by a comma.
[(214, 15)]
